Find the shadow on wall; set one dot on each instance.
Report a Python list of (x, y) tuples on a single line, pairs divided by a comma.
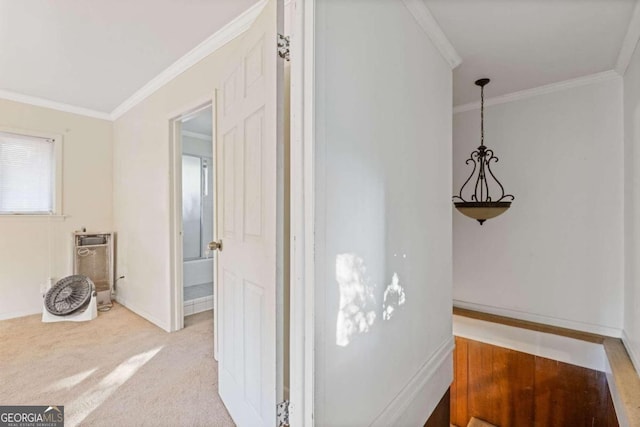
[(358, 309)]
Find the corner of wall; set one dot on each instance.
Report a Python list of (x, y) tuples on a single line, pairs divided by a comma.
[(142, 313), (416, 401), (633, 355)]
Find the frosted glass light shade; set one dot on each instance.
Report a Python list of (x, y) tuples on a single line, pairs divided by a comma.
[(482, 211)]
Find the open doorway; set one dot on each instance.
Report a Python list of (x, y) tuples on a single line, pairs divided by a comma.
[(197, 211), (193, 201)]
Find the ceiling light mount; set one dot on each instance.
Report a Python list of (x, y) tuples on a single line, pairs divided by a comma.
[(480, 205)]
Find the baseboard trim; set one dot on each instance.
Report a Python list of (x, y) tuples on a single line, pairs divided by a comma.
[(419, 397), (17, 314), (548, 320), (635, 360), (142, 313)]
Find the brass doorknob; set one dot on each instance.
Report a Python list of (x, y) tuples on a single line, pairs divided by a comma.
[(215, 246)]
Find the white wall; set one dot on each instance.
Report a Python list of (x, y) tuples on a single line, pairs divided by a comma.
[(142, 182), (35, 249), (556, 256), (632, 208), (383, 171)]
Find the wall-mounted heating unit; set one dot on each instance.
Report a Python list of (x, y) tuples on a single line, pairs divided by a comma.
[(93, 257)]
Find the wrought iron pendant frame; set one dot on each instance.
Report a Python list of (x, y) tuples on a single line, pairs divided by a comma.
[(481, 159)]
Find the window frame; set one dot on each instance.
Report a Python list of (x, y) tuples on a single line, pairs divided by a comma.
[(57, 141)]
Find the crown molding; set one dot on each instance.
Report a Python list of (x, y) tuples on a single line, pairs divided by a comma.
[(630, 41), (47, 103), (540, 90), (197, 135), (221, 37), (430, 26)]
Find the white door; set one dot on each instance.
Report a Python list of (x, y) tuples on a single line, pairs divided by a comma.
[(247, 211)]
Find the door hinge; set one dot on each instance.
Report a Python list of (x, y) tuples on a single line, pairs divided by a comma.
[(283, 47), (282, 413)]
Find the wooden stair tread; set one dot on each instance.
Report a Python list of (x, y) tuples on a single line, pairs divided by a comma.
[(475, 422)]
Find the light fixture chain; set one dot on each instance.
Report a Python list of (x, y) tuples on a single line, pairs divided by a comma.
[(482, 115)]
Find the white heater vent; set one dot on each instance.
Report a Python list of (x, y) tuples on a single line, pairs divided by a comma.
[(93, 257)]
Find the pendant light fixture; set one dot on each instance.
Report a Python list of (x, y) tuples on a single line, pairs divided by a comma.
[(481, 205)]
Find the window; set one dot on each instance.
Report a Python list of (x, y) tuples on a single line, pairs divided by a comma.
[(28, 174)]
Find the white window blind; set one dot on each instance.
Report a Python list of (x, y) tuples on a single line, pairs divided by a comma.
[(27, 166)]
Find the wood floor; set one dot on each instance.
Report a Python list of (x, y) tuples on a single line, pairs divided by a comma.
[(509, 388), (440, 415)]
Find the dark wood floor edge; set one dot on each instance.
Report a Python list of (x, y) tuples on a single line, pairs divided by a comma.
[(441, 415), (526, 324)]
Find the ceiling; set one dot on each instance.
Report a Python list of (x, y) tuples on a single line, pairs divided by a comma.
[(522, 44), (97, 53), (201, 123)]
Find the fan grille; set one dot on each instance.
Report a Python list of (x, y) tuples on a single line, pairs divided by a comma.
[(68, 295)]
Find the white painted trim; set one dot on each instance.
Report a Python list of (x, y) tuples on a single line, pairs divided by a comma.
[(53, 218), (556, 347), (191, 107), (547, 320), (197, 135), (632, 354), (176, 256), (216, 222), (214, 42), (54, 105), (630, 41), (301, 332), (17, 314), (58, 196), (425, 390), (540, 90), (430, 26), (143, 313), (221, 37)]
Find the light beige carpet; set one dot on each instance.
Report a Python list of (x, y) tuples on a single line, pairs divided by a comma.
[(116, 370)]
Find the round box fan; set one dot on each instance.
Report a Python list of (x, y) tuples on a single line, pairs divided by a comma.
[(69, 295)]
